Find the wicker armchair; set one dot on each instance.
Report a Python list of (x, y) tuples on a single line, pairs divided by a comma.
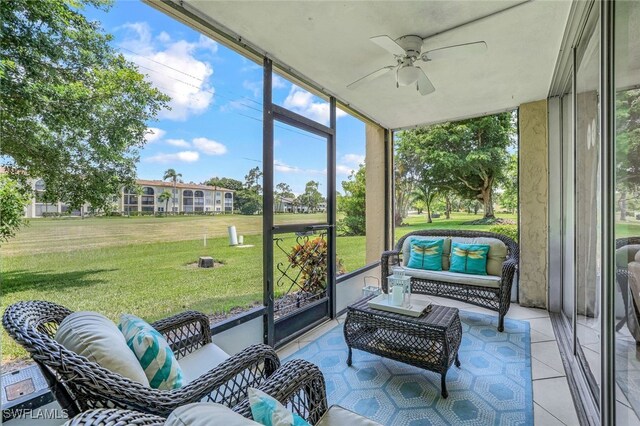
[(496, 299), (79, 384), (297, 384), (630, 299)]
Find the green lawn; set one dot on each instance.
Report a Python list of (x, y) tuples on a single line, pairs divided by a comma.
[(140, 265)]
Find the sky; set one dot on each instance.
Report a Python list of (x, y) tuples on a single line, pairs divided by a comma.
[(214, 126)]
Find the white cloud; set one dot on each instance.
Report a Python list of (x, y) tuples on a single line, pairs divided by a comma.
[(207, 43), (172, 66), (278, 82), (182, 156), (179, 143), (302, 102), (163, 37), (341, 169), (354, 159), (154, 134), (281, 167), (209, 147), (255, 87)]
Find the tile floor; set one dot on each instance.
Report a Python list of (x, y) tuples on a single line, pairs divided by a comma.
[(553, 404)]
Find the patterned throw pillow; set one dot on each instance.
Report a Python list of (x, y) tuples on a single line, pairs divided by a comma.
[(153, 352), (469, 258), (426, 254), (268, 411)]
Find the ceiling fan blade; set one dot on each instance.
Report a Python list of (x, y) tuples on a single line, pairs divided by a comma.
[(388, 44), (457, 51), (424, 84), (372, 76)]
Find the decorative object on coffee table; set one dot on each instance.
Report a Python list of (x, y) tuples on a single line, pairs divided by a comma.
[(414, 309), (430, 341)]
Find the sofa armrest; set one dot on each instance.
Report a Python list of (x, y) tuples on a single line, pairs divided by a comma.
[(509, 268), (299, 385), (388, 260), (185, 332)]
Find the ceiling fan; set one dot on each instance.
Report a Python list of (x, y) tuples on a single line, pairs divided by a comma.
[(407, 50)]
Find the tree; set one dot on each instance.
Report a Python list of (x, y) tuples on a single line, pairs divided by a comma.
[(282, 191), (405, 164), (249, 199), (224, 182), (165, 197), (251, 202), (252, 180), (311, 197), (508, 198), (467, 156), (173, 175), (353, 204), (73, 111), (627, 146), (14, 200), (425, 192)]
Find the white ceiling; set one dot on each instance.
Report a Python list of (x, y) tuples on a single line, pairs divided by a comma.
[(328, 43)]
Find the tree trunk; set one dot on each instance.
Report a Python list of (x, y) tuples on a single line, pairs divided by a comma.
[(622, 204), (476, 206), (447, 202), (397, 218), (487, 202), (429, 220)]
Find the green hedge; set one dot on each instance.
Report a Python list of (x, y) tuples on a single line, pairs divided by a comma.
[(510, 231)]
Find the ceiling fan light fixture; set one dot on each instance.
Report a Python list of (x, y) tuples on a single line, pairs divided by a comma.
[(408, 75)]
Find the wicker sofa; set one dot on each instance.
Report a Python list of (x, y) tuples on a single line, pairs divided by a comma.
[(628, 279), (492, 291), (79, 384)]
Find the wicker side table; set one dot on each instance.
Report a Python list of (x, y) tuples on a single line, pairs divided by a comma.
[(430, 341)]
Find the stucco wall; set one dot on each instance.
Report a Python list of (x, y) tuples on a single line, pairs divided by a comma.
[(533, 188), (375, 175)]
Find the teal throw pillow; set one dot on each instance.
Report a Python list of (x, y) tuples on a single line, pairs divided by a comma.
[(268, 411), (153, 352), (426, 254), (469, 258)]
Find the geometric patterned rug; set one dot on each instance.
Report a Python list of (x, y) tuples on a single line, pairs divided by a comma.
[(491, 387)]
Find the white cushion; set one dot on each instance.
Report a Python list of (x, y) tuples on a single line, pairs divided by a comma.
[(96, 337), (455, 277), (206, 414), (201, 361), (338, 416)]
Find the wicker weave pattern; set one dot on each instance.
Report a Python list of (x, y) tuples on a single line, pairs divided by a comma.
[(632, 310), (430, 341), (298, 384), (497, 299), (79, 384), (112, 417)]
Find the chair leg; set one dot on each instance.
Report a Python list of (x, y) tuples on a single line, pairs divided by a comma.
[(621, 323), (501, 323)]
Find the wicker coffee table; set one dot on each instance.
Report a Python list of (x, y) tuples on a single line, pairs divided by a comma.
[(430, 341)]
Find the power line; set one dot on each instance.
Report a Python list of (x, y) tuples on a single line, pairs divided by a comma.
[(182, 72)]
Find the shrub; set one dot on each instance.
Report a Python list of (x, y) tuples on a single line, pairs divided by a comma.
[(311, 258), (14, 199), (510, 231)]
